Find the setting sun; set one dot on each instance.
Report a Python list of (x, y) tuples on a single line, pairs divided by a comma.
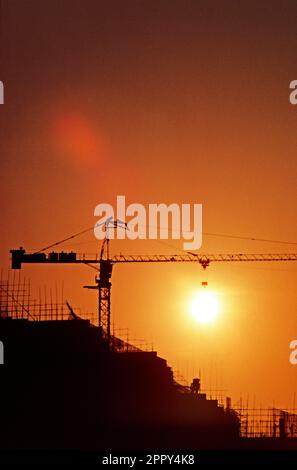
[(204, 307)]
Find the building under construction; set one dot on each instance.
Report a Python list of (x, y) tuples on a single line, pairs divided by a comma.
[(66, 385)]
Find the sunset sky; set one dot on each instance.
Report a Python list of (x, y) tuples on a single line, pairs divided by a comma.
[(161, 101)]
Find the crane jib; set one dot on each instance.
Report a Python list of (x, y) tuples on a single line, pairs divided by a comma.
[(18, 257)]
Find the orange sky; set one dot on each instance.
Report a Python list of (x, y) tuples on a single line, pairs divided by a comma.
[(171, 101)]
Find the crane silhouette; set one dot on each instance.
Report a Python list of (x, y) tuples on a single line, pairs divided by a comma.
[(104, 262)]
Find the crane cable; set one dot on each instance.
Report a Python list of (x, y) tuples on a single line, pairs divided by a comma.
[(208, 234)]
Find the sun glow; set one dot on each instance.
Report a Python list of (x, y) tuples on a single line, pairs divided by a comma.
[(204, 307)]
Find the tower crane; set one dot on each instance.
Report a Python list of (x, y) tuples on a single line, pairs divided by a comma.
[(106, 263)]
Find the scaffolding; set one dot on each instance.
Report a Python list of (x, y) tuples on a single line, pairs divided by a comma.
[(271, 422), (16, 302), (121, 342)]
